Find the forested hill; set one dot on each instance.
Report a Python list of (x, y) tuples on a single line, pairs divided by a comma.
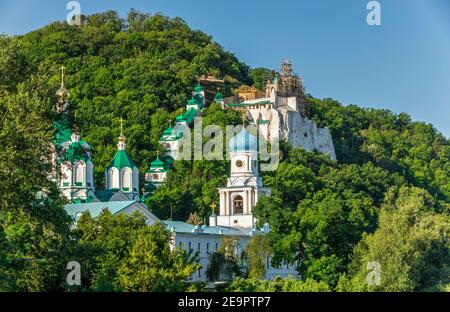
[(386, 199), (140, 68)]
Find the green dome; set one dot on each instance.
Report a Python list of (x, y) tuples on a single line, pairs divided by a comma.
[(198, 88), (218, 97), (168, 131), (157, 163)]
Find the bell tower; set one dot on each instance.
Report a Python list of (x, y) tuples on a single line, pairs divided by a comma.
[(244, 187)]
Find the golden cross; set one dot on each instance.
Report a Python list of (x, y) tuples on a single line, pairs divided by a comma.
[(244, 116), (62, 76), (157, 153), (121, 126)]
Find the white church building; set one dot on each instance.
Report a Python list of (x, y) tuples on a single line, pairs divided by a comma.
[(235, 218)]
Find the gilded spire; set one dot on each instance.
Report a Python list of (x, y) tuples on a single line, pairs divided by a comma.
[(62, 92), (121, 144), (244, 117), (121, 136)]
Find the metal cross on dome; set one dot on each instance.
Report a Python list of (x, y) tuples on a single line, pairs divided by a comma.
[(62, 68)]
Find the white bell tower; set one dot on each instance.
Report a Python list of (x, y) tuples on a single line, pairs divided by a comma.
[(244, 187)]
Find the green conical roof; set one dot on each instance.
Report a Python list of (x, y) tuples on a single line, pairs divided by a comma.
[(168, 131), (157, 163), (218, 97), (198, 88), (121, 160)]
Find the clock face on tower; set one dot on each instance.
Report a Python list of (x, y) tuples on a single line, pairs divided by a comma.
[(239, 164)]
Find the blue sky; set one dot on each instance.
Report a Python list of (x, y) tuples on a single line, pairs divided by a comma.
[(402, 65)]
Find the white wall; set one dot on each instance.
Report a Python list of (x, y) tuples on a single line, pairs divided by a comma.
[(215, 240), (113, 178)]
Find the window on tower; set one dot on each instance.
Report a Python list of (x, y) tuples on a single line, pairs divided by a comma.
[(79, 174), (238, 204), (126, 179)]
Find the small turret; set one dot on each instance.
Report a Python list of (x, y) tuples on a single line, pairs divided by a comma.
[(122, 174), (213, 217)]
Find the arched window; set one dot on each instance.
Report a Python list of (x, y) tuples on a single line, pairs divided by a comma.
[(238, 204), (126, 180), (79, 174), (113, 177)]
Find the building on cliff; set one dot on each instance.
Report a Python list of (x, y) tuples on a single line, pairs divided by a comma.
[(282, 112)]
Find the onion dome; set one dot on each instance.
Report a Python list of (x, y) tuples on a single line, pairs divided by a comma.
[(218, 98), (62, 92), (243, 142), (168, 131), (198, 88), (157, 163)]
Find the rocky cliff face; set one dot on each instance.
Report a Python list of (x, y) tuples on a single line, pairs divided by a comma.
[(303, 132), (288, 124)]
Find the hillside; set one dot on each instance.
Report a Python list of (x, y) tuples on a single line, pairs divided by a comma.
[(386, 199)]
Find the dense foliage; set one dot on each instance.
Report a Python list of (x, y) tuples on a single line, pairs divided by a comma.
[(34, 228), (122, 253), (142, 69), (386, 199), (277, 285)]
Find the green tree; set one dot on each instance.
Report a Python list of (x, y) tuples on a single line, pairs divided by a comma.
[(277, 285), (152, 266), (34, 228), (411, 245), (256, 252), (123, 253), (226, 262)]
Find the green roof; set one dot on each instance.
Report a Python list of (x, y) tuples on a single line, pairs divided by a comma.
[(257, 103), (121, 160), (242, 104), (190, 115), (198, 88), (196, 100), (235, 104), (168, 131), (218, 97), (157, 163), (182, 227), (96, 208), (199, 99)]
